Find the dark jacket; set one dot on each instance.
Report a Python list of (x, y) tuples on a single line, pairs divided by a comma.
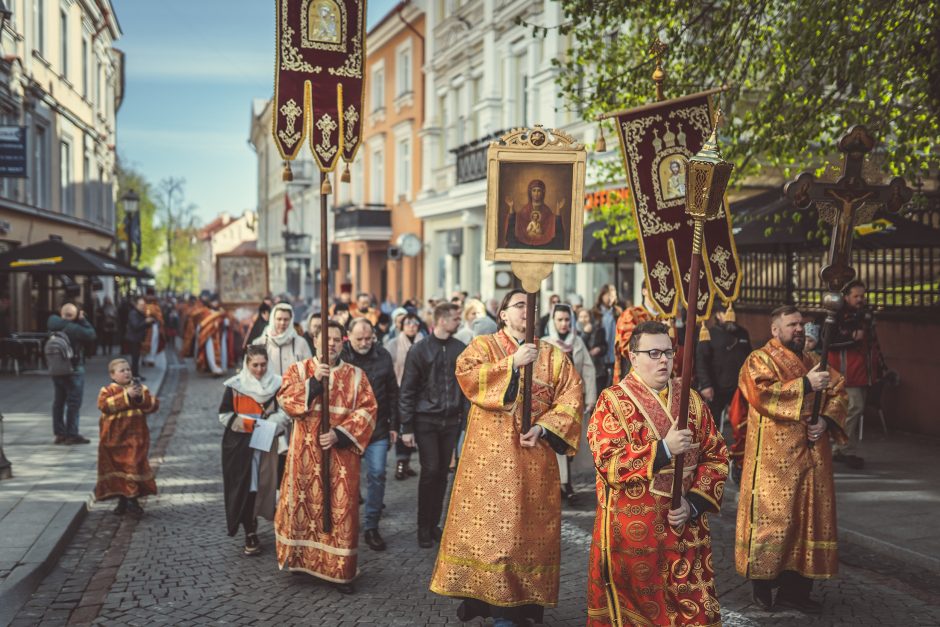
[(136, 329), (429, 389), (79, 332), (718, 361), (377, 364), (597, 338)]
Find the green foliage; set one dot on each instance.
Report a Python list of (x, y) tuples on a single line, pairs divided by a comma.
[(800, 72), (180, 272), (617, 214)]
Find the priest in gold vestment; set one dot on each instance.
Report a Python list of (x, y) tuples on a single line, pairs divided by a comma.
[(501, 548), (302, 544), (786, 528)]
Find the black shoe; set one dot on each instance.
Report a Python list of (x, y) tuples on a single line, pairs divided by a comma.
[(855, 462), (400, 471), (77, 439), (424, 538), (802, 604), (252, 544), (762, 593), (61, 439), (437, 533), (134, 508), (409, 472), (345, 588), (374, 540), (840, 458), (121, 507)]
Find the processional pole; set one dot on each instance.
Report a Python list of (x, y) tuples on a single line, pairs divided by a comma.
[(706, 179)]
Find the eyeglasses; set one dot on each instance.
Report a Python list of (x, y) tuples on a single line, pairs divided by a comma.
[(519, 305), (655, 353)]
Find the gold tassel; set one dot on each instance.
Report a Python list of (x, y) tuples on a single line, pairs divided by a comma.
[(287, 174), (729, 314), (601, 144), (326, 189), (345, 177), (704, 335)]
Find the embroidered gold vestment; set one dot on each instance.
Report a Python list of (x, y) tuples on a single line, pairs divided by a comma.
[(302, 545), (787, 507), (124, 445), (502, 538)]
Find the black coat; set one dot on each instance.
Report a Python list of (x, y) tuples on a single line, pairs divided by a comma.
[(429, 389), (136, 329), (377, 364), (718, 361)]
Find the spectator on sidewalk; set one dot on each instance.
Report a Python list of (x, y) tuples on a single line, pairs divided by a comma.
[(363, 351), (721, 352), (595, 339), (70, 388), (431, 407), (312, 330), (281, 341), (124, 445), (138, 323), (398, 348), (108, 325)]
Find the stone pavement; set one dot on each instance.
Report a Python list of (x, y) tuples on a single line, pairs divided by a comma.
[(46, 500), (177, 565)]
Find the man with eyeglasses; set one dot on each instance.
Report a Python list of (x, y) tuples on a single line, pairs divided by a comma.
[(786, 528), (651, 564), (501, 549)]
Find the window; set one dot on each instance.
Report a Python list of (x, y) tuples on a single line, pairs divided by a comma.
[(358, 180), (64, 37), (90, 212), (403, 169), (445, 123), (403, 70), (41, 167), (39, 24), (85, 62), (377, 180), (65, 173), (378, 88)]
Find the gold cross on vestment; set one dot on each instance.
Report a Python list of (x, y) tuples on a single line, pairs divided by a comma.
[(846, 203)]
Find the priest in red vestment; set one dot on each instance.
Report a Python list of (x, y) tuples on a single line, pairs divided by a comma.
[(650, 564), (302, 544)]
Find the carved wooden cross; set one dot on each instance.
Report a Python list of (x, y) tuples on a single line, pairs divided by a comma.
[(849, 201)]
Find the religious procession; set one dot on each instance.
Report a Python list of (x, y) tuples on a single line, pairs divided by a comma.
[(542, 313)]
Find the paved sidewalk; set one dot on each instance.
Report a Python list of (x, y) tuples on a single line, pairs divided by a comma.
[(48, 496)]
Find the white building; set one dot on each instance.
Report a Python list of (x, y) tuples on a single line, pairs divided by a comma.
[(223, 235)]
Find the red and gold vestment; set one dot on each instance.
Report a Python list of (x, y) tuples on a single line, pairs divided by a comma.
[(642, 570), (787, 507), (502, 539), (215, 326), (123, 467), (153, 311), (302, 545), (194, 318)]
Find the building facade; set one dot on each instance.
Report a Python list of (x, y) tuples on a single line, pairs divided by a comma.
[(61, 82)]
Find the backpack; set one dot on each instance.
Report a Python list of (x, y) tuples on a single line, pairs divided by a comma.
[(60, 357)]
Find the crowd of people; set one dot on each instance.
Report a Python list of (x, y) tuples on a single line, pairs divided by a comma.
[(446, 381)]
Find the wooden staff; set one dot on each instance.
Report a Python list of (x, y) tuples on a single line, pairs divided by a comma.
[(325, 190), (527, 369)]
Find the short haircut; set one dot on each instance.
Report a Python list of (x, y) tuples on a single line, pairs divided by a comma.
[(114, 363), (333, 324), (411, 316), (354, 322), (444, 309), (504, 305), (255, 350), (649, 327), (338, 307), (851, 285), (264, 308), (785, 310)]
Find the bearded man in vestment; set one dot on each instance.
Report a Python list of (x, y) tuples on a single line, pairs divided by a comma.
[(216, 352), (501, 547), (155, 340), (650, 564), (786, 531), (302, 543)]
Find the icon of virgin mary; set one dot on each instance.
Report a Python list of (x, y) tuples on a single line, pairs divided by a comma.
[(535, 225)]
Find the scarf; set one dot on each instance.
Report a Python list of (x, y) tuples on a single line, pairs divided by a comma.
[(288, 335), (566, 344), (260, 390)]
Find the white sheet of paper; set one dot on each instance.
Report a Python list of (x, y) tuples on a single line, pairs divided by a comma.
[(263, 436)]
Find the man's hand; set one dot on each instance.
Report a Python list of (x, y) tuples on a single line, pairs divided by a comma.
[(322, 372), (392, 437), (815, 431), (678, 441), (328, 439), (526, 354), (678, 517), (818, 379), (858, 334), (408, 439), (708, 394), (531, 438)]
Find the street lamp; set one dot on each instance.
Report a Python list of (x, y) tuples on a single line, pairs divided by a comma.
[(5, 15), (130, 201)]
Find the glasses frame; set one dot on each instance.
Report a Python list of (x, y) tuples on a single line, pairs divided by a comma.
[(662, 353)]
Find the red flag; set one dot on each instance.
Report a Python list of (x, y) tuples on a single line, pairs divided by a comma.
[(287, 207)]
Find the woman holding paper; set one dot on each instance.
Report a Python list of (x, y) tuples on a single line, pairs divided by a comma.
[(252, 422)]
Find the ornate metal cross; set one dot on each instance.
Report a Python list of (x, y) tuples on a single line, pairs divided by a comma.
[(846, 203)]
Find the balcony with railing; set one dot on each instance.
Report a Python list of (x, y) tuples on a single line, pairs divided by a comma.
[(369, 222), (471, 158)]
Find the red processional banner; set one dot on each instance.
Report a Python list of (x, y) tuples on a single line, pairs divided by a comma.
[(657, 141), (318, 83)]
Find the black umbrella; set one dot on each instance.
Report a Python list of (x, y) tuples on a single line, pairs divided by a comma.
[(56, 257)]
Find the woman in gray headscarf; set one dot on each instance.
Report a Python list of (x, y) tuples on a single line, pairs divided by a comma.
[(280, 340)]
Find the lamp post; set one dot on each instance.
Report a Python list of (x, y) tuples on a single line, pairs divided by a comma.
[(6, 468), (130, 202)]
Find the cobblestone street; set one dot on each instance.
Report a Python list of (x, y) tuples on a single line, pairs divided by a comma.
[(177, 565)]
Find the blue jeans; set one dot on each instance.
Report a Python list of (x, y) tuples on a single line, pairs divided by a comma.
[(67, 402), (375, 458)]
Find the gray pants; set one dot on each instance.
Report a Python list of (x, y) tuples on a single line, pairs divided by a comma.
[(853, 420)]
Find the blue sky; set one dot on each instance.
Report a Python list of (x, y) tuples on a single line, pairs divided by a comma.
[(192, 70)]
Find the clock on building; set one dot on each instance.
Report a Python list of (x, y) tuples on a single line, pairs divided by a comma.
[(410, 244)]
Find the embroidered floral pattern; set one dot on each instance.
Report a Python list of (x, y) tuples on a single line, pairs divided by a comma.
[(352, 68), (290, 55)]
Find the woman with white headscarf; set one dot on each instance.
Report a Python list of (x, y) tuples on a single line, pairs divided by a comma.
[(281, 341), (560, 331), (249, 474)]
